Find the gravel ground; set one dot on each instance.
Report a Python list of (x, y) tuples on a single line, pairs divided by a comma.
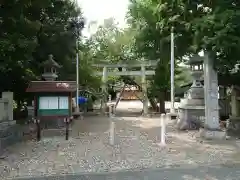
[(191, 173), (136, 147)]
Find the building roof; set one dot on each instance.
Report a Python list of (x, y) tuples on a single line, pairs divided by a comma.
[(51, 86)]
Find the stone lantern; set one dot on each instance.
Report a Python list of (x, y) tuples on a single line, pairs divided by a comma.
[(50, 69), (192, 107), (196, 65)]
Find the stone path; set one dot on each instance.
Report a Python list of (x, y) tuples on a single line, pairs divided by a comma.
[(136, 147)]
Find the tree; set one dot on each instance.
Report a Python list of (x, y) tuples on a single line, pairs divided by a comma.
[(30, 31), (198, 25), (87, 77), (153, 41), (111, 44)]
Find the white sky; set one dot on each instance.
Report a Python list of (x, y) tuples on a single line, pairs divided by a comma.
[(98, 10)]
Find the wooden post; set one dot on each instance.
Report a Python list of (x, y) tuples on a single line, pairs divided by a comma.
[(66, 120), (37, 122)]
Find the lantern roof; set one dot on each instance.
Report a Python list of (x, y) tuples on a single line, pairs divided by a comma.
[(195, 59), (50, 62)]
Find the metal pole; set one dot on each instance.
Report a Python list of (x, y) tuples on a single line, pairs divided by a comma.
[(77, 67), (172, 110), (77, 78)]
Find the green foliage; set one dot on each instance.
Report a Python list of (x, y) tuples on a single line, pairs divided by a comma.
[(111, 45), (218, 31), (199, 25), (211, 26), (151, 21), (30, 31), (86, 72)]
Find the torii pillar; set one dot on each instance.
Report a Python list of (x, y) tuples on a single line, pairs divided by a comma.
[(144, 91), (104, 89)]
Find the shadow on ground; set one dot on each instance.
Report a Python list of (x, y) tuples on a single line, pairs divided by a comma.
[(190, 173)]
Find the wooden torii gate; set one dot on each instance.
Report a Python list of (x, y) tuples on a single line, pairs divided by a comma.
[(143, 73)]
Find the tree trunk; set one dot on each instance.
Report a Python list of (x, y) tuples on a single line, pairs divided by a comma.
[(161, 100), (153, 103)]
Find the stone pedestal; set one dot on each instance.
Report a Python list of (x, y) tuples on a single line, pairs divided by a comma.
[(191, 111), (233, 128), (191, 118), (212, 134), (234, 120)]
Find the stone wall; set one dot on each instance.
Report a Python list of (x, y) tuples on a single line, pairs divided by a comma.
[(6, 107), (10, 132)]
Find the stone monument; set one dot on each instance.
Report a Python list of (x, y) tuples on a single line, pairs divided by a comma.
[(211, 128), (192, 106)]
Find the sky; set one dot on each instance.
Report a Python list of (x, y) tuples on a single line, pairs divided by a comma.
[(98, 10)]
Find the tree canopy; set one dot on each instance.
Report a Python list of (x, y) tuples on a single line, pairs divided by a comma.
[(30, 31), (198, 25)]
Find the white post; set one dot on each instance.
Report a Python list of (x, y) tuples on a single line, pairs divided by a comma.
[(110, 106), (163, 129), (172, 110), (112, 129)]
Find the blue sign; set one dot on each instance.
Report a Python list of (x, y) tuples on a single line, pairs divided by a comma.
[(82, 100)]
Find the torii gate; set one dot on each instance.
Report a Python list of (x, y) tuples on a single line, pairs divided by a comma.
[(143, 73)]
